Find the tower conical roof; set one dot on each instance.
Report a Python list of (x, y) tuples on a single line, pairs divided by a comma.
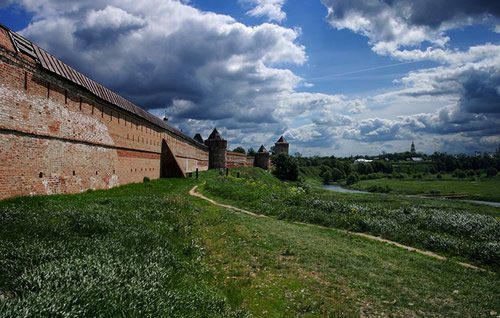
[(282, 140), (262, 149), (215, 135), (198, 138)]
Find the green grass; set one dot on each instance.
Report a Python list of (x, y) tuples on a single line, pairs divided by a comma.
[(486, 189), (443, 227), (311, 175), (149, 250), (278, 269), (124, 252)]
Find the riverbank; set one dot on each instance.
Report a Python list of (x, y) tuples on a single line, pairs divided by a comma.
[(482, 189)]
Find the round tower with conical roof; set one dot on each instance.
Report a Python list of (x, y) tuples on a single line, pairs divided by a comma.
[(281, 146), (262, 158), (217, 148)]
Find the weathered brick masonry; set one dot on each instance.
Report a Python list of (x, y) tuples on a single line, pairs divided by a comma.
[(58, 137)]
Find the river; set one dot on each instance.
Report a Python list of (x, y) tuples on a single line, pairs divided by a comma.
[(337, 188)]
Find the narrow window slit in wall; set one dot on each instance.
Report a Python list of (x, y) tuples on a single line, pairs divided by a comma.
[(74, 172), (102, 112), (114, 172), (25, 80), (96, 173), (118, 118), (40, 175), (80, 103), (93, 109), (48, 89), (111, 116), (66, 96)]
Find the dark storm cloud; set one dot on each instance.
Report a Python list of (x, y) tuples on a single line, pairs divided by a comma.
[(481, 92), (163, 53), (433, 13)]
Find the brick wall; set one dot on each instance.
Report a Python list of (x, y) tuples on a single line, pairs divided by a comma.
[(56, 137), (235, 159)]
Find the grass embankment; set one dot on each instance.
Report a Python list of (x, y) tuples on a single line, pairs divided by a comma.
[(427, 224), (149, 250), (126, 252), (485, 189)]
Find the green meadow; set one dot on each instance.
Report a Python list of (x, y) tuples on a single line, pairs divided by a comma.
[(151, 250), (484, 189)]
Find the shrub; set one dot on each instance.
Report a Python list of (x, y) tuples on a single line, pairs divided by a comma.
[(459, 174), (491, 172), (146, 179), (352, 178), (285, 167), (337, 174), (439, 176), (326, 176), (364, 168)]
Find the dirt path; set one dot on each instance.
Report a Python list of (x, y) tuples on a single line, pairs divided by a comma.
[(193, 192)]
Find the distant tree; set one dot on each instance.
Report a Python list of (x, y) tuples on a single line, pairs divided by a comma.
[(352, 178), (326, 176), (239, 150), (251, 151), (364, 168), (459, 174), (325, 173), (471, 173), (337, 174), (491, 172), (285, 167)]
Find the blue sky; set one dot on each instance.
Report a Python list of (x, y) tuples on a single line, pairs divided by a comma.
[(334, 76)]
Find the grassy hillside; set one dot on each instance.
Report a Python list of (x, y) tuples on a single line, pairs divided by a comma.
[(430, 224), (127, 252), (150, 250)]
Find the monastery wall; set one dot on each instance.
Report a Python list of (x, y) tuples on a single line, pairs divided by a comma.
[(57, 137), (236, 159)]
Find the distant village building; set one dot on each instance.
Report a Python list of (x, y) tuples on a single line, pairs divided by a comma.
[(361, 160), (412, 148)]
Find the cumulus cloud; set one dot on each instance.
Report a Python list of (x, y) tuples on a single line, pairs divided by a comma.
[(210, 70), (158, 53), (272, 9), (392, 24)]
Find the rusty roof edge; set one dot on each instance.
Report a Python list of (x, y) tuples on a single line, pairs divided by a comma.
[(94, 84)]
